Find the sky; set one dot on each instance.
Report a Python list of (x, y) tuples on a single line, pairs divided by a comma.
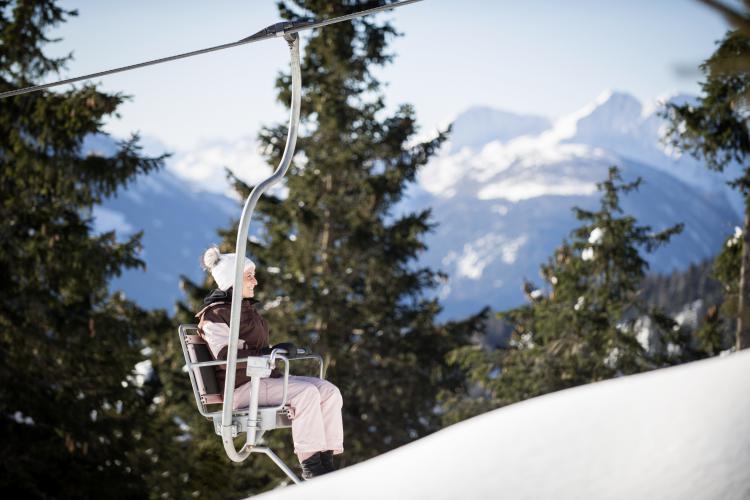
[(546, 57)]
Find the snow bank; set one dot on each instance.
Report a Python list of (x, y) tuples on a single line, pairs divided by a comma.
[(676, 433)]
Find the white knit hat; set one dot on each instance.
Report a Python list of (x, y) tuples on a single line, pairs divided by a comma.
[(222, 265)]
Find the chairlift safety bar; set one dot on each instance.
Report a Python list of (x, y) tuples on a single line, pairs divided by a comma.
[(241, 247)]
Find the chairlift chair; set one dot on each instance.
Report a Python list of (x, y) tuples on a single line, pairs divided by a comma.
[(254, 420)]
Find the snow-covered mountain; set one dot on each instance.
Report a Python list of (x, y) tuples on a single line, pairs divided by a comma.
[(504, 207), (479, 125), (178, 221), (501, 192), (674, 433)]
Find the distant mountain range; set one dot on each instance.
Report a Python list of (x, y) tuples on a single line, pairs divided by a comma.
[(178, 221), (501, 192), (504, 205)]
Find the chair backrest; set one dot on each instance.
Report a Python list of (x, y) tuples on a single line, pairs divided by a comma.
[(206, 388), (204, 378)]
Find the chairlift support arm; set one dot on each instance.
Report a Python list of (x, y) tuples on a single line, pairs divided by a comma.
[(241, 247)]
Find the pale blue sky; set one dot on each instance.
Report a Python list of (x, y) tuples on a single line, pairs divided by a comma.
[(542, 57)]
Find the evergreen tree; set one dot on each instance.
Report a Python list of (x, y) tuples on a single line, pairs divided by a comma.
[(584, 325), (716, 130), (725, 269), (336, 266), (74, 417), (362, 301), (702, 288), (672, 292)]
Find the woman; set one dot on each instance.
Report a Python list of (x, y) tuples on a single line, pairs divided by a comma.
[(317, 429)]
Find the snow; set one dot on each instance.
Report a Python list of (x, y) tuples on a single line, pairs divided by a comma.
[(476, 255), (735, 239), (596, 236), (479, 125), (690, 314), (22, 419), (510, 249), (516, 191), (204, 167), (485, 142), (579, 303), (647, 335), (442, 172), (141, 373), (675, 433)]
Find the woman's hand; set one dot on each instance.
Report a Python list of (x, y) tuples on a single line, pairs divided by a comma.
[(289, 347)]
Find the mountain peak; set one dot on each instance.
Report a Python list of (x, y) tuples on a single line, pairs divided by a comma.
[(610, 113), (611, 97), (480, 125)]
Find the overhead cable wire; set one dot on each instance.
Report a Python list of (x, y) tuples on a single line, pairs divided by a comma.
[(273, 31)]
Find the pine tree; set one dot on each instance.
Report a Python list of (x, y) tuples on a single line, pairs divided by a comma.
[(716, 130), (336, 263), (726, 269), (74, 417), (583, 325)]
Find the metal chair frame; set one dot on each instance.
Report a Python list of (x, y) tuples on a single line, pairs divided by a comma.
[(255, 420)]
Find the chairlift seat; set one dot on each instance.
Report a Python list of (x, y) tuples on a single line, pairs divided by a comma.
[(206, 386), (201, 367)]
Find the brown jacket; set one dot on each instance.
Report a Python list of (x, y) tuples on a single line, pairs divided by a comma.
[(213, 326)]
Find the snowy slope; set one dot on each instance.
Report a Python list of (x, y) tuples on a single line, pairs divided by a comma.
[(676, 433)]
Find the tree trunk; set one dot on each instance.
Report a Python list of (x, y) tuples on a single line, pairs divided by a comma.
[(743, 316)]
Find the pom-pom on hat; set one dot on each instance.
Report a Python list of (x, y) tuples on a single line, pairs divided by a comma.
[(222, 265)]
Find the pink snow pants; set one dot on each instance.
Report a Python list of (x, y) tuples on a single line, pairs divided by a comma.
[(316, 410)]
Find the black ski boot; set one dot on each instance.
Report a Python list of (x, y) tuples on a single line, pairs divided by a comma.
[(327, 458), (313, 467)]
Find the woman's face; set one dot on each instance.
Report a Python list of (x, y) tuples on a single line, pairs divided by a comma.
[(248, 284)]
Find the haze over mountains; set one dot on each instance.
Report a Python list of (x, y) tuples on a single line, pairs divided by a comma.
[(501, 192)]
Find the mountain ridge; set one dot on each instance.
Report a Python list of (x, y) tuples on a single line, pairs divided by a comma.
[(501, 196)]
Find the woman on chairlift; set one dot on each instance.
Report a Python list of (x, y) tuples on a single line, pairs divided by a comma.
[(317, 429)]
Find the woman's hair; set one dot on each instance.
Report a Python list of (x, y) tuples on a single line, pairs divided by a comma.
[(210, 258)]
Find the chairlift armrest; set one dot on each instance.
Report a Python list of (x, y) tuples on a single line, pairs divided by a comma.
[(217, 362), (282, 348), (272, 363), (276, 353)]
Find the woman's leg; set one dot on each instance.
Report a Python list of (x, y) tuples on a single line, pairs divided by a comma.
[(316, 411), (331, 404), (308, 430)]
